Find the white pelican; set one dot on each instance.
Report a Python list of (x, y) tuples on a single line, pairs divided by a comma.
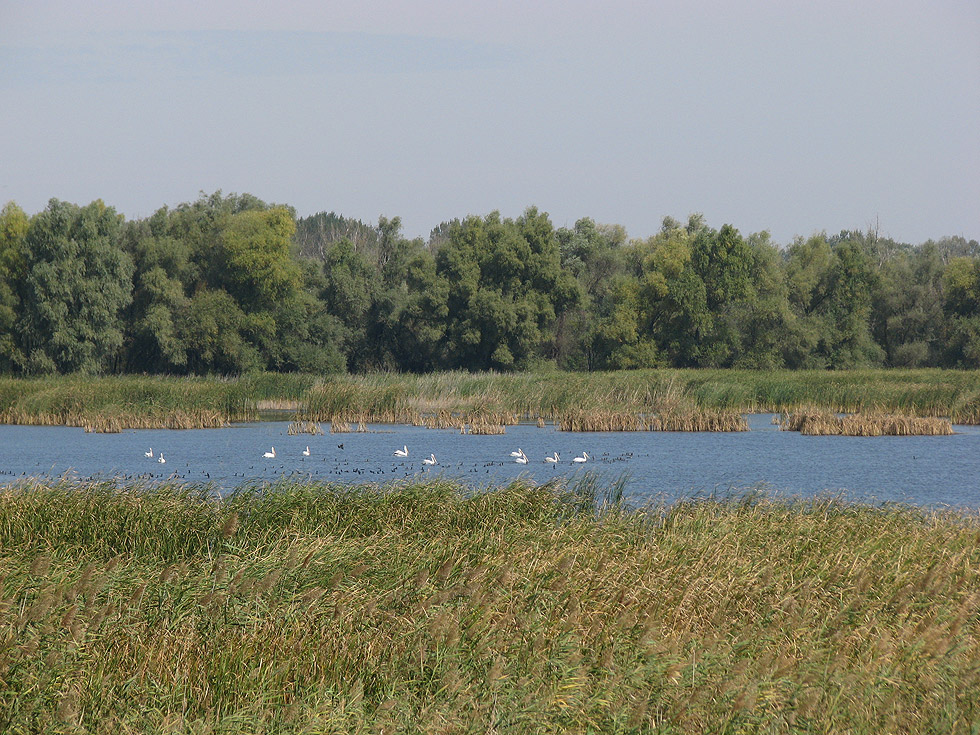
[(148, 454), (306, 452), (270, 455), (430, 460), (583, 458), (518, 453), (160, 459), (522, 459), (553, 460), (403, 452)]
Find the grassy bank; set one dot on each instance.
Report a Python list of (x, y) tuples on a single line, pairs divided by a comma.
[(657, 399), (428, 608)]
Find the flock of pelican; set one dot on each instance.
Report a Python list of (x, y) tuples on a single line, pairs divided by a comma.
[(403, 452), (519, 456), (149, 454)]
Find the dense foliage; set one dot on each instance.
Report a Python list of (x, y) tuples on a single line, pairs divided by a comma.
[(231, 285)]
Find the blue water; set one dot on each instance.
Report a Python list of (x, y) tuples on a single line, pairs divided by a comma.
[(925, 471)]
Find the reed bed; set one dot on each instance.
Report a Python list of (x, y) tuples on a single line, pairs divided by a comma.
[(814, 422), (699, 420), (140, 401), (117, 422), (433, 608), (443, 420), (339, 426), (681, 420), (600, 421), (304, 427), (131, 402), (927, 393)]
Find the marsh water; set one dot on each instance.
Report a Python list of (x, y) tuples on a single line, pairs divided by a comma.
[(926, 471)]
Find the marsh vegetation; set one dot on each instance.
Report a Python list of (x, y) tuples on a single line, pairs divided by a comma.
[(430, 607), (669, 400)]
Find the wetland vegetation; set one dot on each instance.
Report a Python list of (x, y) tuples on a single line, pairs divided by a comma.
[(618, 401), (430, 607)]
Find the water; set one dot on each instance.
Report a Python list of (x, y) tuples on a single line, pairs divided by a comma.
[(925, 471)]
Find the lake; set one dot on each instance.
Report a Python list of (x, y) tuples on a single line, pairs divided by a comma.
[(926, 471)]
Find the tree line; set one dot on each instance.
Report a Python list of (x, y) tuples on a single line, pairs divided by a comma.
[(231, 284)]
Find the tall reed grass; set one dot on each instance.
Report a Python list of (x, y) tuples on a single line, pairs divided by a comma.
[(815, 422), (669, 393), (711, 396), (111, 404), (433, 608)]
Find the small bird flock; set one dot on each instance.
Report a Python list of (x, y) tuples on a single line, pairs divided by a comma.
[(519, 456), (229, 468)]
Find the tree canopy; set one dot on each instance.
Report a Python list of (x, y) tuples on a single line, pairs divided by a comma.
[(228, 284)]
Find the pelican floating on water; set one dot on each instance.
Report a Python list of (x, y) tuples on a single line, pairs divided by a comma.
[(306, 452), (148, 454), (270, 455), (430, 460), (160, 459), (522, 459), (583, 458), (553, 460), (403, 452), (518, 453)]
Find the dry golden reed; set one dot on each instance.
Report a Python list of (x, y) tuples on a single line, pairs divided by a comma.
[(815, 422), (443, 420), (679, 420), (116, 423), (339, 426), (485, 427), (304, 427)]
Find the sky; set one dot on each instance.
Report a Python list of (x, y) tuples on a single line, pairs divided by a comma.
[(781, 115)]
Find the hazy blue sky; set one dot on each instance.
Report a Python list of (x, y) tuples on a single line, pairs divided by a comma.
[(789, 116)]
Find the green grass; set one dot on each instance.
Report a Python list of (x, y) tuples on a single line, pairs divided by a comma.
[(432, 608), (112, 403)]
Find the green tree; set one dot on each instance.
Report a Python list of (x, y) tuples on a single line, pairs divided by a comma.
[(414, 320), (164, 277), (14, 224), (349, 289), (216, 333), (852, 278), (308, 337), (505, 290), (255, 244), (672, 300), (761, 322), (907, 317), (77, 284), (962, 285)]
